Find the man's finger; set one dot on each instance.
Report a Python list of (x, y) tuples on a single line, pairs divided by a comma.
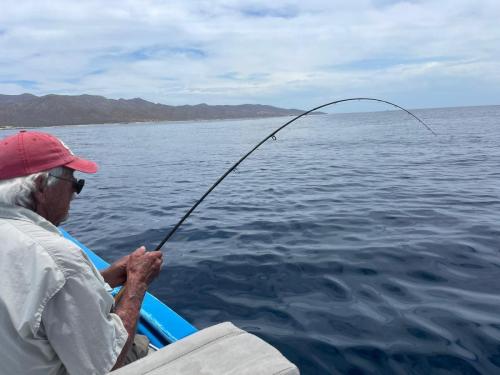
[(140, 250)]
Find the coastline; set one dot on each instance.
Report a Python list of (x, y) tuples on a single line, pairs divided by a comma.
[(160, 122), (7, 127)]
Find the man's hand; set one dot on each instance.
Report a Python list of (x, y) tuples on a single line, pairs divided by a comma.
[(143, 266), (116, 274), (141, 269)]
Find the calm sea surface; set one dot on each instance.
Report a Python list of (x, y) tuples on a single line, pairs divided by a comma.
[(355, 243)]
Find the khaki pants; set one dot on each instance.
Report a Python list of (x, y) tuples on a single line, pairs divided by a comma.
[(138, 350)]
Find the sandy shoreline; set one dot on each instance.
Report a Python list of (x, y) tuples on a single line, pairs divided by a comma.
[(6, 127)]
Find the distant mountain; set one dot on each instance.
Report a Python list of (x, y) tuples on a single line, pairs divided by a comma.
[(31, 110)]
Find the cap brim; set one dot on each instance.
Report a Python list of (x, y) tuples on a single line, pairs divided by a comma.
[(82, 165)]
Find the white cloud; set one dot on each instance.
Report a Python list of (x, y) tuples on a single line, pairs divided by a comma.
[(287, 53)]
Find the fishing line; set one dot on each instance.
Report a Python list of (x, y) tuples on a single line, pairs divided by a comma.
[(273, 137)]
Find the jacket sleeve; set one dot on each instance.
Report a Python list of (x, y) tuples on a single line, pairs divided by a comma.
[(79, 325)]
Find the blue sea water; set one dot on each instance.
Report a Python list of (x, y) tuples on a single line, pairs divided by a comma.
[(355, 243)]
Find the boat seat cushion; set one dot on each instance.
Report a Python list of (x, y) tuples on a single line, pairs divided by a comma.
[(222, 349)]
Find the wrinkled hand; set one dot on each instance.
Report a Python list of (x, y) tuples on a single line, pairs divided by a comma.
[(144, 266), (116, 274)]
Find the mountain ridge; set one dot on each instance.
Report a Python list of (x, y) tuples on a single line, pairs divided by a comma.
[(52, 110)]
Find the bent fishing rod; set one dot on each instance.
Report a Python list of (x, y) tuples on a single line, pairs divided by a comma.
[(270, 136), (273, 136)]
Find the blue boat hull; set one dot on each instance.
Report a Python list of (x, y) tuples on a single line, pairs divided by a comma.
[(158, 322)]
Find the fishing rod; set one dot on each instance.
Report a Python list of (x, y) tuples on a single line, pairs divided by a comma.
[(273, 136), (270, 136)]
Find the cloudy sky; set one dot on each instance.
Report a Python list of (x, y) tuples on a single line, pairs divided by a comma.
[(298, 54)]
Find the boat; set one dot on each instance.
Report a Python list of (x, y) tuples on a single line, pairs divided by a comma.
[(181, 349)]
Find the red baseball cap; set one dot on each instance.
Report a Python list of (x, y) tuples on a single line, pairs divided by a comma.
[(30, 152)]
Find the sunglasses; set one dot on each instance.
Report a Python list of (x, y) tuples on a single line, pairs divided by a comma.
[(77, 184)]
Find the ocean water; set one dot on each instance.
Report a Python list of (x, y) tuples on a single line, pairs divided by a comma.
[(354, 243)]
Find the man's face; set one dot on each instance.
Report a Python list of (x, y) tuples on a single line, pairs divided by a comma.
[(53, 201)]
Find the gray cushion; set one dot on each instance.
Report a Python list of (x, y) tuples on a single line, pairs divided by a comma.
[(218, 350)]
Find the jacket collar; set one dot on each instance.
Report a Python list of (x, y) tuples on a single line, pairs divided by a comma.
[(21, 213)]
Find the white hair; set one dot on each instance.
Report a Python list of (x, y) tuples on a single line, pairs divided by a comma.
[(19, 191)]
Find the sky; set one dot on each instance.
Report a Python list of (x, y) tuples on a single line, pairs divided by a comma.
[(292, 54)]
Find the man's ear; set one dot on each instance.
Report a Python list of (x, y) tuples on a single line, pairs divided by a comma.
[(40, 187)]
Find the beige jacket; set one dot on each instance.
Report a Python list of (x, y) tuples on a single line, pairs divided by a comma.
[(55, 311)]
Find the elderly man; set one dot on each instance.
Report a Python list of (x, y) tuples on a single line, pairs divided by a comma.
[(56, 314)]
